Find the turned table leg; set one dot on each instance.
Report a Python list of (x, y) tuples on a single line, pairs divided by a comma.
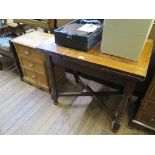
[(54, 93), (53, 86), (122, 107)]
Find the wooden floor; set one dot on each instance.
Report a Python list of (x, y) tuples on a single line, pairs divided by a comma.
[(25, 109)]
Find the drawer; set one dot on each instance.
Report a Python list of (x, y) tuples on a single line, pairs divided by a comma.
[(152, 93), (30, 75), (149, 106), (91, 69), (147, 118), (64, 59), (36, 79), (41, 80), (37, 67), (29, 53)]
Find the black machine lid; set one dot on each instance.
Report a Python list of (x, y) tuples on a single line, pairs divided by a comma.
[(81, 27)]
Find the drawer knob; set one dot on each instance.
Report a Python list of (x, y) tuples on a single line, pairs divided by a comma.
[(152, 119), (31, 65), (33, 76), (27, 53)]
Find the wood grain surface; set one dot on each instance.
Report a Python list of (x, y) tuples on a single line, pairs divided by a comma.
[(94, 55), (29, 110)]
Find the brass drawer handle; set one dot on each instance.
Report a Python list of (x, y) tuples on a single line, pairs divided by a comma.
[(27, 53), (34, 76), (31, 65)]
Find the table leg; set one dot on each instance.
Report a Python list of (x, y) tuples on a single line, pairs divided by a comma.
[(51, 66), (16, 60), (54, 93), (122, 107)]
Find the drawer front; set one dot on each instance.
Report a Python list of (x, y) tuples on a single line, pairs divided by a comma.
[(41, 80), (37, 67), (36, 79), (147, 118), (152, 93), (29, 53), (149, 106), (57, 59), (30, 75), (88, 68)]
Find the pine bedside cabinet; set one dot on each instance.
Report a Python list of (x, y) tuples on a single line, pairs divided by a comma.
[(32, 63)]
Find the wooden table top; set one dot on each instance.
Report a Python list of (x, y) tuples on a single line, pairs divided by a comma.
[(32, 39), (94, 55)]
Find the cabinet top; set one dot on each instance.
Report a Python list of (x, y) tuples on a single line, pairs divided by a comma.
[(33, 39)]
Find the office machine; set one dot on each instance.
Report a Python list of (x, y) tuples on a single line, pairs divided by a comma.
[(79, 34), (125, 37)]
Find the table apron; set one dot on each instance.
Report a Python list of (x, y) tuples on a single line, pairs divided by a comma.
[(92, 69)]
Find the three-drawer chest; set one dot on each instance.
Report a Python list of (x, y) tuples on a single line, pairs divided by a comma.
[(32, 63), (146, 114)]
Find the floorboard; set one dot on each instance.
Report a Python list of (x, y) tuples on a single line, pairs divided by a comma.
[(26, 110)]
